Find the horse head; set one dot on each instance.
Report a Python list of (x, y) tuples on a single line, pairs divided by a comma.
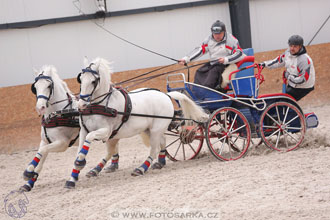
[(94, 81), (43, 87)]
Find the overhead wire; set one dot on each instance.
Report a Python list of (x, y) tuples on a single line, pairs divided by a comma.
[(326, 20)]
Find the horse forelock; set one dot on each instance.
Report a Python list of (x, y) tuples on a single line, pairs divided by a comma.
[(104, 67), (48, 70)]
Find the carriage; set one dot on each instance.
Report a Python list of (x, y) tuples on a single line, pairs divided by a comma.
[(238, 118)]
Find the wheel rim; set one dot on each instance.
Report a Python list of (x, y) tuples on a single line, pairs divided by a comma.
[(282, 126), (184, 142), (228, 134)]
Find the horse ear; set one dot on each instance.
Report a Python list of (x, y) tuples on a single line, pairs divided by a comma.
[(33, 89), (86, 63), (35, 71), (78, 78), (98, 65)]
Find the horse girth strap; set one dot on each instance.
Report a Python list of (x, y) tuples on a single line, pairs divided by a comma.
[(58, 121), (99, 110)]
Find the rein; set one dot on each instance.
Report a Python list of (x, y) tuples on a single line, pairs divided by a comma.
[(158, 116), (142, 80), (132, 80)]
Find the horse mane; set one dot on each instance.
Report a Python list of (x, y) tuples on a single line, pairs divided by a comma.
[(50, 70)]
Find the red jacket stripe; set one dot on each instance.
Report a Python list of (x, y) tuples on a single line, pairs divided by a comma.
[(203, 48), (228, 47), (306, 76)]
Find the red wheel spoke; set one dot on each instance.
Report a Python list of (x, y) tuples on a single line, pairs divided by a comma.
[(231, 138)]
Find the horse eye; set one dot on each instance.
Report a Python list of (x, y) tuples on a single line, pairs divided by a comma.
[(94, 82)]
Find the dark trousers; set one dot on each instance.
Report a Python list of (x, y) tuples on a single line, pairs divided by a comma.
[(298, 93), (209, 75)]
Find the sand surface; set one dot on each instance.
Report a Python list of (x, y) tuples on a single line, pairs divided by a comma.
[(263, 185)]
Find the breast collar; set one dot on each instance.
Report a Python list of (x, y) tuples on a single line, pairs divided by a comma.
[(96, 109)]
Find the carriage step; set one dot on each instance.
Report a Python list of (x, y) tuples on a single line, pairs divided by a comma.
[(311, 120)]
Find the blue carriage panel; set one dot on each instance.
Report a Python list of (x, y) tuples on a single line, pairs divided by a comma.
[(248, 52), (245, 86), (207, 98)]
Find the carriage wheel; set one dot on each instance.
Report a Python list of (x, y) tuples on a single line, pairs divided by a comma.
[(184, 142), (228, 134), (282, 126)]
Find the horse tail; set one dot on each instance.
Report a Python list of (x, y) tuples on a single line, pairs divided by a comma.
[(145, 138), (189, 108)]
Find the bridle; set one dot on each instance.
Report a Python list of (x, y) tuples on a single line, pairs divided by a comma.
[(87, 97), (34, 90)]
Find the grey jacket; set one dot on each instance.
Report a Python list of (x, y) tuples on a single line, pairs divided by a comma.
[(299, 71), (228, 48)]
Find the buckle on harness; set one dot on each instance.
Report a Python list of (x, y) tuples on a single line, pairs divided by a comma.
[(111, 111)]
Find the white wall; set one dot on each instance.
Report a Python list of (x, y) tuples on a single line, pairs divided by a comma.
[(274, 21), (173, 33), (28, 10)]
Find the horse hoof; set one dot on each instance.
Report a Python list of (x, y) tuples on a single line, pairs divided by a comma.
[(112, 168), (157, 166), (91, 173), (25, 188), (137, 172), (70, 185), (28, 175), (80, 163)]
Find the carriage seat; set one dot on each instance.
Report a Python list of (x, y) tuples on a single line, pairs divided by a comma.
[(247, 60)]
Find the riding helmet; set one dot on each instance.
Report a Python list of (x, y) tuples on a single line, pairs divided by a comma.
[(296, 40), (218, 27)]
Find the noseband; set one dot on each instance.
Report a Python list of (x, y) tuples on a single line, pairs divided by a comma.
[(87, 97), (34, 90)]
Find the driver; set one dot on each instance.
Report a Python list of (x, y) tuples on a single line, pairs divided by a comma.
[(223, 49)]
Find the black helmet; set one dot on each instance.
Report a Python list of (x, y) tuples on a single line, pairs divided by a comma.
[(218, 27), (296, 40)]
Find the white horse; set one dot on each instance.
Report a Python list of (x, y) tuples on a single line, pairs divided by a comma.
[(58, 132), (109, 114)]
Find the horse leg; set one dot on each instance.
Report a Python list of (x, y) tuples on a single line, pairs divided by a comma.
[(34, 168), (154, 143), (161, 156), (111, 148), (80, 162), (115, 158)]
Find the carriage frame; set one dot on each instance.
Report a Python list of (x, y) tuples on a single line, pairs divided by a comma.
[(238, 117)]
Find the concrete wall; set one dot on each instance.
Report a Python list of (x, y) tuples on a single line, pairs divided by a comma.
[(273, 22), (172, 33)]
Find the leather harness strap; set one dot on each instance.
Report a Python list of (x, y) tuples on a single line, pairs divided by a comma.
[(127, 111), (67, 119), (95, 109), (60, 121)]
